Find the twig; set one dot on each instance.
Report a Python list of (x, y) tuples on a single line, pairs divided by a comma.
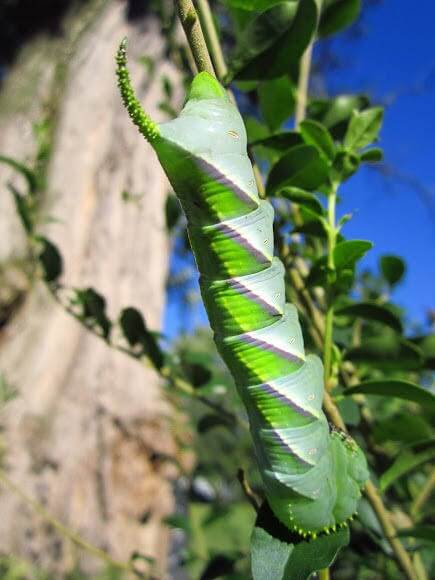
[(425, 493), (302, 89), (210, 33), (192, 28), (250, 495), (63, 530)]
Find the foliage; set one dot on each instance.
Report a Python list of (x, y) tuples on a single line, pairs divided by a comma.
[(381, 374)]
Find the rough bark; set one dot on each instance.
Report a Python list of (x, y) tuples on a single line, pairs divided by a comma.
[(86, 432)]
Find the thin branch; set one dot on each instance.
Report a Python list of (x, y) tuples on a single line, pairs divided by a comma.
[(302, 89), (63, 530), (211, 35), (195, 37), (425, 493), (250, 495)]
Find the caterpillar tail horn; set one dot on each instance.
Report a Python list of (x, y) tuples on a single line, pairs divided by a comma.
[(143, 122)]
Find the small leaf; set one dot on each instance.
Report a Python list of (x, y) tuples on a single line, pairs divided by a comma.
[(282, 555), (345, 165), (252, 5), (371, 311), (198, 374), (314, 133), (427, 346), (274, 41), (172, 212), (335, 113), (399, 389), (373, 155), (94, 309), (23, 208), (276, 99), (387, 352), (211, 421), (347, 253), (410, 458), (279, 142), (363, 128), (177, 521), (50, 260), (337, 15), (303, 198), (301, 167), (419, 532), (28, 174), (220, 566), (135, 331), (402, 427), (392, 268)]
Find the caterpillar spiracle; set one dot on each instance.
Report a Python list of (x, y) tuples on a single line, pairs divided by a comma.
[(312, 477)]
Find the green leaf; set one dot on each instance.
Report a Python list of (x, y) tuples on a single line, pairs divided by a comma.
[(274, 41), (252, 5), (345, 165), (419, 532), (373, 155), (427, 345), (276, 99), (93, 306), (198, 374), (269, 555), (347, 253), (392, 268), (278, 142), (28, 174), (279, 554), (23, 208), (314, 133), (399, 389), (363, 128), (371, 311), (211, 421), (402, 427), (301, 167), (409, 459), (172, 212), (334, 113), (50, 260), (337, 15), (314, 228), (303, 198), (220, 566), (387, 352), (135, 331)]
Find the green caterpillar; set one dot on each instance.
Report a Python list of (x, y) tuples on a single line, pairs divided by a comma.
[(312, 476)]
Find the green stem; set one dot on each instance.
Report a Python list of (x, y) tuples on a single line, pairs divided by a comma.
[(195, 37), (211, 35), (329, 322), (74, 537), (324, 574)]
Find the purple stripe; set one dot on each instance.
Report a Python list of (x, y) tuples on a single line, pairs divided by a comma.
[(268, 388), (244, 242), (218, 176), (288, 449), (255, 297), (247, 339)]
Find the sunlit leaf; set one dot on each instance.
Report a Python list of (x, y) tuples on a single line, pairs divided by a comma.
[(409, 459), (399, 389)]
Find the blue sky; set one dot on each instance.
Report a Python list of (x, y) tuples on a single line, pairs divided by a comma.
[(394, 62)]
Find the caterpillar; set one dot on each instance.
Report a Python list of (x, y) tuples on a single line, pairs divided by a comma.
[(312, 475)]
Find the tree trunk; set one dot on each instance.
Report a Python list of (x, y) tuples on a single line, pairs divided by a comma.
[(86, 432)]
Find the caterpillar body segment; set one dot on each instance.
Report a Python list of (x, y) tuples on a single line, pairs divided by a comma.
[(312, 476)]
